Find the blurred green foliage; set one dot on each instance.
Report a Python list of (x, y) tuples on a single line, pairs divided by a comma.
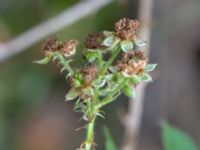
[(109, 143), (175, 139)]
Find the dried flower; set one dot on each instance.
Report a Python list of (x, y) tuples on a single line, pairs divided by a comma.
[(51, 44), (127, 29), (94, 40), (69, 48), (89, 74), (133, 62)]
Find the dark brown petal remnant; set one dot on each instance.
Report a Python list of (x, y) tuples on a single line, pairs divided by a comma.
[(51, 44), (69, 48), (133, 62), (127, 29), (94, 40), (89, 74)]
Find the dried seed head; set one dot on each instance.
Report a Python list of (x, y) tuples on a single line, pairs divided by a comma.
[(133, 63), (94, 40), (69, 48), (127, 29), (89, 74), (51, 44)]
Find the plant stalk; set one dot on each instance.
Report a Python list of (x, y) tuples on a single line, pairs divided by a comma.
[(89, 143)]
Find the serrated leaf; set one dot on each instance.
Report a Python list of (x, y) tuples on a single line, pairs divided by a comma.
[(109, 41), (43, 61), (175, 139), (109, 143), (72, 94), (126, 46), (150, 67), (146, 77)]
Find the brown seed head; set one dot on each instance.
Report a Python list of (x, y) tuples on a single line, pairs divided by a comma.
[(127, 29), (51, 44), (89, 74), (133, 62), (94, 40), (69, 48)]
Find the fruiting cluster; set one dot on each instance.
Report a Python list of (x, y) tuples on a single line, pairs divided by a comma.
[(114, 63)]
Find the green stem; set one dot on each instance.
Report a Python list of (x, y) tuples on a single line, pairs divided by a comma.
[(111, 59), (109, 99), (65, 64), (90, 134)]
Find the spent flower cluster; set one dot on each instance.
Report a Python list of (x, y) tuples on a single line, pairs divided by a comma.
[(114, 63)]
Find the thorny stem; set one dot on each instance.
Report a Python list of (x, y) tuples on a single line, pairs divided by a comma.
[(64, 63)]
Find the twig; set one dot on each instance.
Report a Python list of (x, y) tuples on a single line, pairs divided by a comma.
[(133, 119), (34, 35)]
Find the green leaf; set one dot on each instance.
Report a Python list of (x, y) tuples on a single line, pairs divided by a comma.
[(110, 145), (175, 139), (72, 94), (126, 46), (109, 41), (150, 67), (146, 77), (43, 61)]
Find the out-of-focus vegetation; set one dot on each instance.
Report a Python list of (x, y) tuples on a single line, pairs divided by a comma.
[(175, 139)]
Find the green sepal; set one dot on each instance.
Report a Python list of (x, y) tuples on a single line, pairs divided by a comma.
[(146, 77), (139, 42), (72, 94), (126, 46), (150, 67), (108, 41), (91, 55), (43, 61)]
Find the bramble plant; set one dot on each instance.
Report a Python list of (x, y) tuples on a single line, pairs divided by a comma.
[(113, 64)]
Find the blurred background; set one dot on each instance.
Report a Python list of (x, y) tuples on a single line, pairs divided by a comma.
[(33, 113)]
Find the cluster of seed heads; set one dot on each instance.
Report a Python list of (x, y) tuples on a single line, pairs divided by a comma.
[(114, 63)]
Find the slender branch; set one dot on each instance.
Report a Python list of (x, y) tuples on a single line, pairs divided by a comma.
[(109, 98), (36, 34), (133, 119)]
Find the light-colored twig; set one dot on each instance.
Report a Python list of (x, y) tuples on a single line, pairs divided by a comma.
[(34, 35), (133, 119)]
